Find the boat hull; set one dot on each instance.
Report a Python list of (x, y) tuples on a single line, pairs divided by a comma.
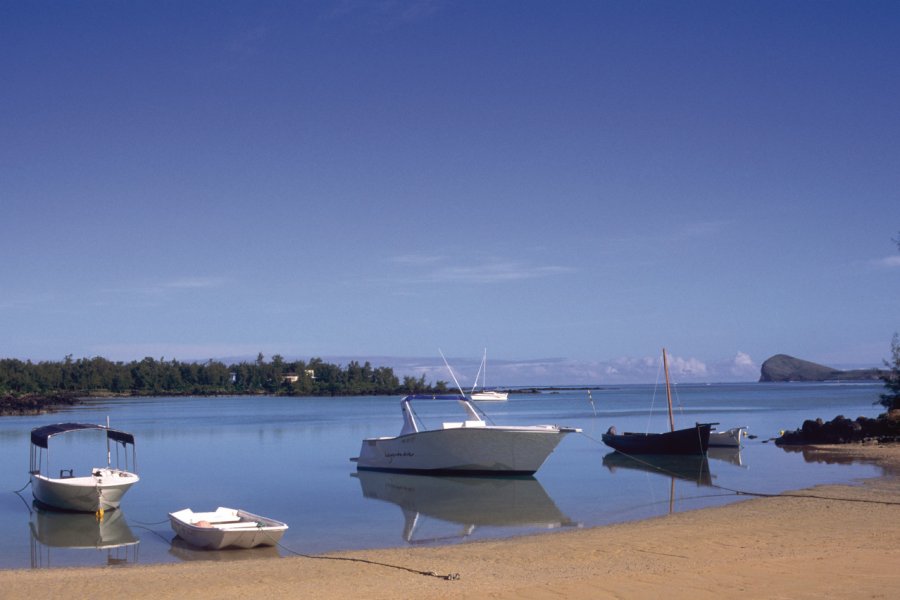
[(726, 439), (693, 440), (463, 451), (103, 490), (244, 530), (489, 396)]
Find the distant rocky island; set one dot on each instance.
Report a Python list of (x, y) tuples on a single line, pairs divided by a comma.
[(782, 367)]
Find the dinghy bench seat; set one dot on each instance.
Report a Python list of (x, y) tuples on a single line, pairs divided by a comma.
[(209, 519)]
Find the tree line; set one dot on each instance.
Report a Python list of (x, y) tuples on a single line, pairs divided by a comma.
[(99, 376)]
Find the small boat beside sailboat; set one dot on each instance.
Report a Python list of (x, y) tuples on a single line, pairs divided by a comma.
[(226, 528), (691, 440), (102, 488), (730, 438), (468, 447)]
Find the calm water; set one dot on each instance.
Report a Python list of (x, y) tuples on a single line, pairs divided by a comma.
[(288, 458)]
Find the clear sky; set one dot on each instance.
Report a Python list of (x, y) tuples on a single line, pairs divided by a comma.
[(572, 185)]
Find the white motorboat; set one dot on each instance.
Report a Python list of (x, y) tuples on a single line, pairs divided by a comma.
[(226, 528), (485, 395), (727, 439), (469, 447), (100, 489)]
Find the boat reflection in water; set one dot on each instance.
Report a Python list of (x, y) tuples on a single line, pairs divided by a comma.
[(692, 468), (730, 455), (469, 502), (185, 551), (52, 529)]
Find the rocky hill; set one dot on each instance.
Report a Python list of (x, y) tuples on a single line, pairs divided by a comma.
[(782, 367)]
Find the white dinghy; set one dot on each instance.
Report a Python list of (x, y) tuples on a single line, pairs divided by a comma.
[(226, 528), (730, 438), (101, 489)]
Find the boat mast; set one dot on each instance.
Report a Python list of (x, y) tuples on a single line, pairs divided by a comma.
[(668, 392)]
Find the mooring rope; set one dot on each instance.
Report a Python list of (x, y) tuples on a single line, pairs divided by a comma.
[(448, 577)]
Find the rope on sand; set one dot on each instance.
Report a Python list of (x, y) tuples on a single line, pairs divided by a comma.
[(448, 577)]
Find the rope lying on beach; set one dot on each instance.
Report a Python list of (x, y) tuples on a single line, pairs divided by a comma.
[(755, 494), (449, 577)]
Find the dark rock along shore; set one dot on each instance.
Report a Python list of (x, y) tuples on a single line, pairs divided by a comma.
[(841, 430), (32, 404)]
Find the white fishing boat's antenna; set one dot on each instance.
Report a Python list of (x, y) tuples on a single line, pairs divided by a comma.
[(465, 401), (461, 392), (478, 374), (108, 457)]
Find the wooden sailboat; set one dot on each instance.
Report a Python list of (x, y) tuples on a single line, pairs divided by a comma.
[(693, 440)]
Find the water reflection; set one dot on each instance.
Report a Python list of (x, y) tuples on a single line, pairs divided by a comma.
[(813, 454), (727, 454), (81, 531), (184, 551), (468, 502), (694, 468)]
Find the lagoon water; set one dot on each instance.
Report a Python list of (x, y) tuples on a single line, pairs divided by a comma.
[(288, 458)]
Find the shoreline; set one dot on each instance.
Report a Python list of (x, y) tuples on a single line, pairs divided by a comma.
[(827, 541)]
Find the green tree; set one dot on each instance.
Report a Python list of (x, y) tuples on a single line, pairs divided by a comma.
[(891, 400)]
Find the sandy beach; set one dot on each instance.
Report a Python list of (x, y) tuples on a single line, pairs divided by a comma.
[(839, 541)]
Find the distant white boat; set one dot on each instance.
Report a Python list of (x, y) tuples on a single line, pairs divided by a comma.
[(727, 439), (101, 489), (485, 395), (226, 528), (489, 396), (469, 447)]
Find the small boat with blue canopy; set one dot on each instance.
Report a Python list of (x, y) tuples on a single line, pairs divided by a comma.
[(98, 488)]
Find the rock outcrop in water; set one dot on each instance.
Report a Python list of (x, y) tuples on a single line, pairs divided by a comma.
[(782, 367), (841, 430)]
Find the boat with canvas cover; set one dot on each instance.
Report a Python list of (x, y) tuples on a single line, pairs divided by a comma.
[(468, 447), (692, 440), (226, 528), (100, 489)]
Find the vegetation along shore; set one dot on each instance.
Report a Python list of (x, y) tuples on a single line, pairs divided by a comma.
[(36, 387)]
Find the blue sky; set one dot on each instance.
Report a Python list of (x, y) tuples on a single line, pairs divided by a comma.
[(571, 185)]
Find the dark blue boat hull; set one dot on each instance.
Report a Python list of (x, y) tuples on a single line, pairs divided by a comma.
[(693, 440)]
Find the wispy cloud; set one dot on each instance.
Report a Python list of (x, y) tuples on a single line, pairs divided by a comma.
[(497, 272), (155, 291), (194, 283), (888, 262), (437, 269), (698, 229), (386, 13), (417, 259), (169, 351)]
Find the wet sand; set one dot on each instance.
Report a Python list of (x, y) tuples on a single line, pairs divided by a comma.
[(839, 541)]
